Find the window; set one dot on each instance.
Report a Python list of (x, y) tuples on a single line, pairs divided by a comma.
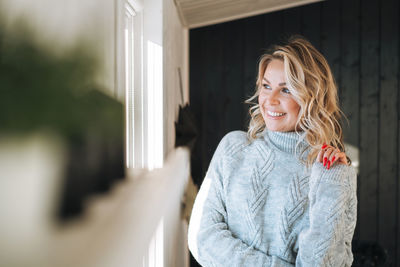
[(134, 90), (143, 79), (143, 97), (154, 105)]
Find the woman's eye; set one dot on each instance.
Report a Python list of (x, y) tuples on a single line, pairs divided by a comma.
[(266, 86), (285, 90)]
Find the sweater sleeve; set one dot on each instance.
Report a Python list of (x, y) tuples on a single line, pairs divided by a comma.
[(332, 217), (210, 240)]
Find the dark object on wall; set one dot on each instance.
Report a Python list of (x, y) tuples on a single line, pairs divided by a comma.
[(186, 128), (368, 254)]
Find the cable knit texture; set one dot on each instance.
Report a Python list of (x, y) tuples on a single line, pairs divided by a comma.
[(260, 206)]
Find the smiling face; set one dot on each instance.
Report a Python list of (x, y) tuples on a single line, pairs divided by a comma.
[(277, 105)]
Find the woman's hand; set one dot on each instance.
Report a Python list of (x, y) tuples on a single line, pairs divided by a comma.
[(330, 155)]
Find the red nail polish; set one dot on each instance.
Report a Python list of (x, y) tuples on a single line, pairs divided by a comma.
[(329, 164), (323, 146), (333, 159), (325, 160)]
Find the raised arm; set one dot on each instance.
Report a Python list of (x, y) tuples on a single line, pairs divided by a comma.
[(333, 213)]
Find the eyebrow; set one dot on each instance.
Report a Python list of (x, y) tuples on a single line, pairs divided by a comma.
[(281, 84)]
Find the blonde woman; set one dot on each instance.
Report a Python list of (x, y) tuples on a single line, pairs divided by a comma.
[(282, 194)]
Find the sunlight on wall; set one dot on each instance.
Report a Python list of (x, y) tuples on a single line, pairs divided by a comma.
[(155, 105)]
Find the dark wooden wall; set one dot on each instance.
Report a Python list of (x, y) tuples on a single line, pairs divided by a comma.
[(360, 40)]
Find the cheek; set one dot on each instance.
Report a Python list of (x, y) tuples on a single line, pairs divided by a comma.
[(293, 108), (261, 99)]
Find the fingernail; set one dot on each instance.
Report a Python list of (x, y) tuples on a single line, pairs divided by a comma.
[(323, 146), (329, 164), (325, 160), (333, 159)]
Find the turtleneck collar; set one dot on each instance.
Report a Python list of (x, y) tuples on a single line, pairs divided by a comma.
[(286, 141)]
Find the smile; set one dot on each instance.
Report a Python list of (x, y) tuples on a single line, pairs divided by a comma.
[(275, 114)]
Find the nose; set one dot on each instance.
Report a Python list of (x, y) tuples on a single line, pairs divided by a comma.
[(273, 98)]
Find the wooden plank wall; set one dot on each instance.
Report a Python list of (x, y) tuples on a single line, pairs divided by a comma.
[(360, 39)]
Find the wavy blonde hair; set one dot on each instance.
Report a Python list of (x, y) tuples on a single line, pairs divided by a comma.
[(310, 81)]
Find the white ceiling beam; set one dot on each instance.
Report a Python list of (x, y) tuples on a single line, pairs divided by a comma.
[(199, 13)]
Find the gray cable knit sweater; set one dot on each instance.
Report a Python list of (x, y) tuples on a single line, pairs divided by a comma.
[(260, 206)]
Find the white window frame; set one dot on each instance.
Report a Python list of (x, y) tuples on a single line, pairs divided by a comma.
[(129, 81), (129, 46), (138, 84)]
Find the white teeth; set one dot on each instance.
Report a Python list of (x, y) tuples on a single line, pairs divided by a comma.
[(275, 114)]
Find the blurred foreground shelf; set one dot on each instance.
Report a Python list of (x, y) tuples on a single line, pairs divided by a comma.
[(114, 229)]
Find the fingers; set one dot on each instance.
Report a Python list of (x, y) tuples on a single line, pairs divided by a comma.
[(340, 157), (329, 155), (321, 153), (336, 155)]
